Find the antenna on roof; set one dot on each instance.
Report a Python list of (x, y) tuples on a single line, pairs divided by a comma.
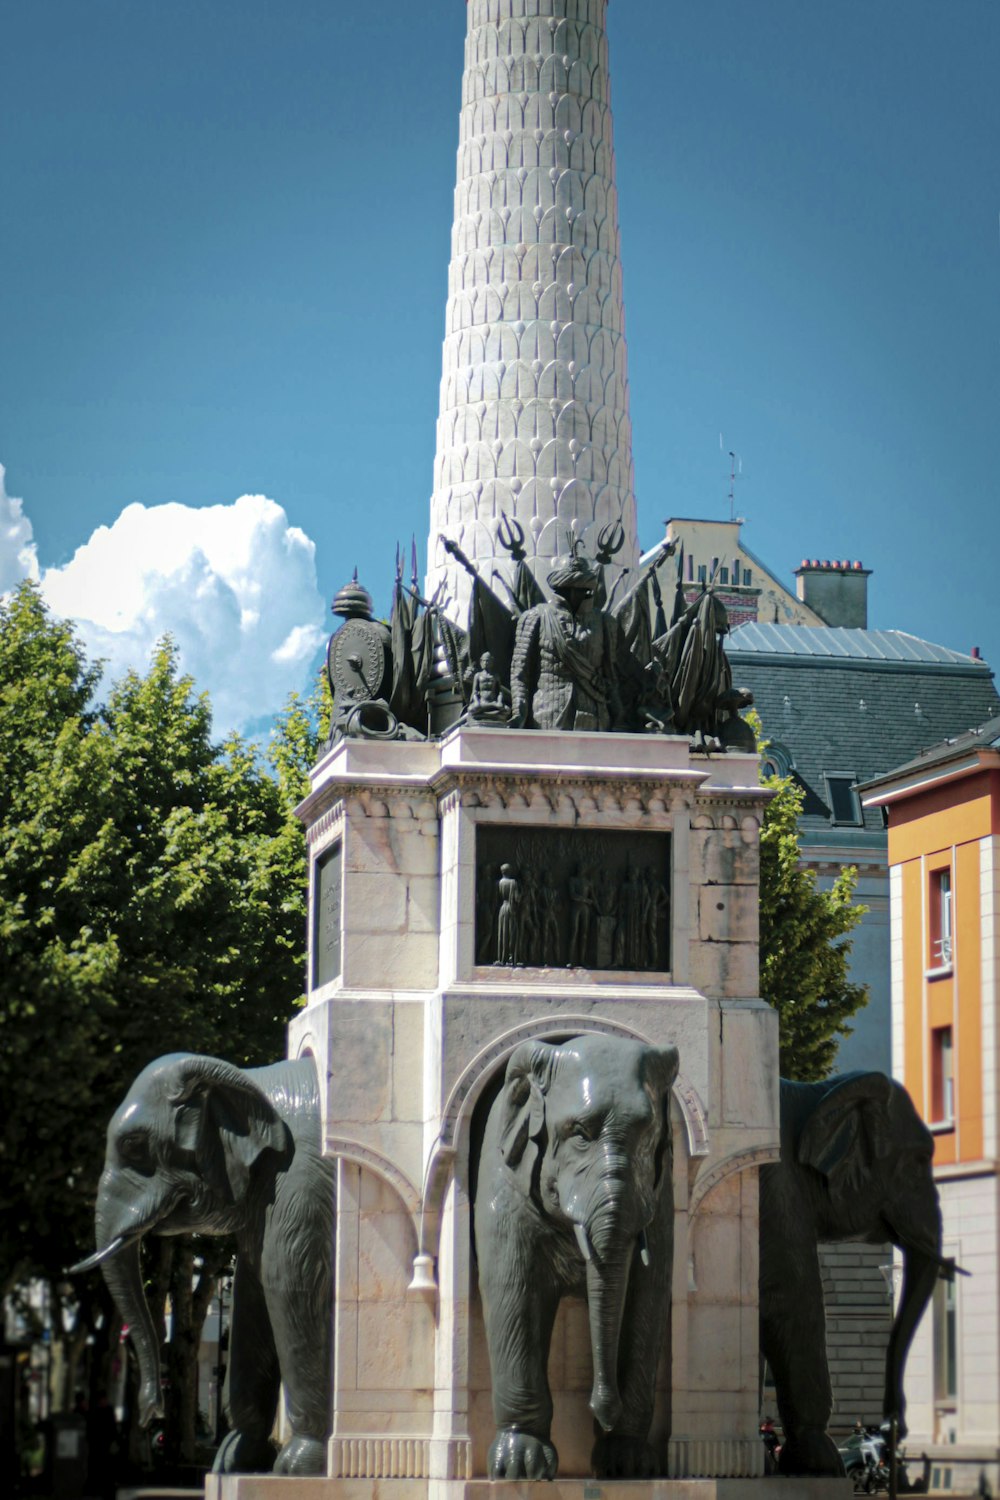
[(735, 468)]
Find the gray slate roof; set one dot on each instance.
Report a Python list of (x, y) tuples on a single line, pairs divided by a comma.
[(854, 645), (856, 702), (955, 747)]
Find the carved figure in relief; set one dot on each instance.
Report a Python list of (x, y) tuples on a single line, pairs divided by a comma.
[(657, 903), (563, 674), (530, 917), (581, 907), (606, 904), (487, 904), (574, 1195), (550, 945), (509, 918), (856, 1164), (631, 937), (200, 1146)]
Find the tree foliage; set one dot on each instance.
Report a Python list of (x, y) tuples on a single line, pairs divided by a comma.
[(805, 945), (152, 899)]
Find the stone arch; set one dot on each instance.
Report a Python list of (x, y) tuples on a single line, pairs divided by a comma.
[(738, 1161), (394, 1177)]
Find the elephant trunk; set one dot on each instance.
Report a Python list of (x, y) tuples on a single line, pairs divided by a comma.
[(123, 1276), (920, 1274), (607, 1285)]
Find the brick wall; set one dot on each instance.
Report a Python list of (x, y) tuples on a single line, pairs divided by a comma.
[(858, 1320)]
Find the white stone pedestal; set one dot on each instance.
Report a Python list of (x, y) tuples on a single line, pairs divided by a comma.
[(269, 1487), (409, 1033)]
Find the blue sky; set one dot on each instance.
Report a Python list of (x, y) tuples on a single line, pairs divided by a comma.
[(223, 274)]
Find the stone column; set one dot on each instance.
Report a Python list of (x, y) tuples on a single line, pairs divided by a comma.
[(534, 415)]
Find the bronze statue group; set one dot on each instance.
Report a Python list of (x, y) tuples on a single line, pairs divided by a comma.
[(582, 653)]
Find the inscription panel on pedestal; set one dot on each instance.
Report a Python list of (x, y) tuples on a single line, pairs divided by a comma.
[(555, 897), (328, 881)]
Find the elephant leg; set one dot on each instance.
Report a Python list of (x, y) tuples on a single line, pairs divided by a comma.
[(302, 1319), (626, 1453), (519, 1317), (793, 1340), (252, 1380)]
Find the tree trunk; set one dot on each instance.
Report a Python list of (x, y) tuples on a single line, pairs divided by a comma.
[(189, 1302)]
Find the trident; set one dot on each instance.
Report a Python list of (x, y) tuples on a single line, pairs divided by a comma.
[(510, 535), (610, 541)]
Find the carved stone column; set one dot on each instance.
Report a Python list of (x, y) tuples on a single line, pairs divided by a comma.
[(534, 417)]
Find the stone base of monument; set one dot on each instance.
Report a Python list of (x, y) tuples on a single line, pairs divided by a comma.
[(419, 994), (270, 1487)]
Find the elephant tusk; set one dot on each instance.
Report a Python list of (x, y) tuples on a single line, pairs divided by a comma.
[(582, 1241), (98, 1259), (643, 1247)]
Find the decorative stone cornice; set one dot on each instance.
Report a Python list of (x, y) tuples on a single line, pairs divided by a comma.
[(577, 796)]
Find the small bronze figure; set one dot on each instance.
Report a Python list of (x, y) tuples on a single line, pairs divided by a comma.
[(550, 944), (606, 902), (508, 919), (631, 936), (489, 702), (581, 900), (657, 904)]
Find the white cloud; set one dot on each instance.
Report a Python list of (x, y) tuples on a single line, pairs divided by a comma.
[(18, 554), (235, 585)]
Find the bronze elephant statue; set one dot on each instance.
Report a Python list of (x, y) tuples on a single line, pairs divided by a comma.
[(574, 1195), (855, 1165), (200, 1146)]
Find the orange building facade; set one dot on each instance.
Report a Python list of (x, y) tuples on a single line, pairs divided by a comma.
[(943, 815)]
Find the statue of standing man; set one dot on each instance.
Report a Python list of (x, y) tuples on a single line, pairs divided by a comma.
[(563, 669)]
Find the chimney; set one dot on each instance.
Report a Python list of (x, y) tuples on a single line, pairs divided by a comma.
[(837, 591)]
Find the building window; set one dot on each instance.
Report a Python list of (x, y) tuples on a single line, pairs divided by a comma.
[(940, 919), (843, 799), (702, 573), (942, 1077), (776, 760), (945, 1343), (747, 578), (723, 575)]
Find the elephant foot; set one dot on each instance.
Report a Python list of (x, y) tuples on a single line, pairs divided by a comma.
[(810, 1451), (521, 1455), (302, 1455), (244, 1453), (619, 1457)]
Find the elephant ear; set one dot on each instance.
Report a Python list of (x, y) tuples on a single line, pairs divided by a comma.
[(659, 1070), (849, 1132), (522, 1106), (224, 1119)]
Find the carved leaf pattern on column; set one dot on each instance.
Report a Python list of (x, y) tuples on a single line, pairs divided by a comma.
[(534, 413)]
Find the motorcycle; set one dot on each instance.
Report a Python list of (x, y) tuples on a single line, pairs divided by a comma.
[(864, 1454)]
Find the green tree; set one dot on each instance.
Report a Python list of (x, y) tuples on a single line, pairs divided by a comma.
[(152, 899), (805, 945), (57, 968)]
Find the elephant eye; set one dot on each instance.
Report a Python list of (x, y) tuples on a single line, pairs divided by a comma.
[(134, 1149), (585, 1130)]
